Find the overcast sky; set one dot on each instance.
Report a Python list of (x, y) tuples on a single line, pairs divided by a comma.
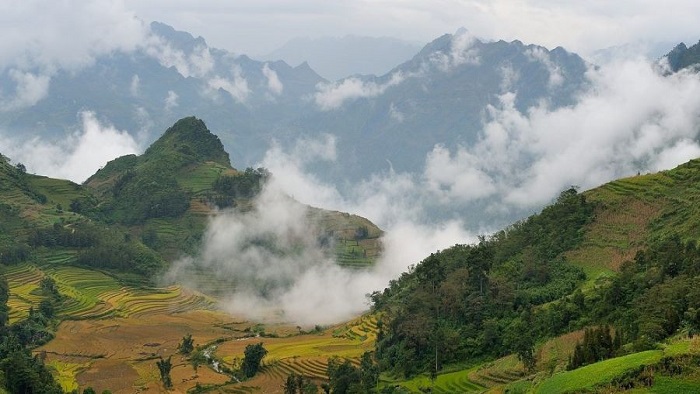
[(259, 26), (43, 35)]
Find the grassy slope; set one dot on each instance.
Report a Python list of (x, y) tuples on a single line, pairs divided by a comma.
[(633, 210)]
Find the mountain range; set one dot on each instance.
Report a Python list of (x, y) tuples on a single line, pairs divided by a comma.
[(437, 97)]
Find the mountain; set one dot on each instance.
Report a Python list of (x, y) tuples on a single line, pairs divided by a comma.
[(169, 77), (650, 50), (161, 200), (338, 57), (437, 97), (605, 273), (683, 57)]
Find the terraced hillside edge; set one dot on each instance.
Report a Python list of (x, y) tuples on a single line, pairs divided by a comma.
[(623, 254)]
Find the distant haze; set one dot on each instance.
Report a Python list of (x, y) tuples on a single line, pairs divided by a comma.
[(335, 58)]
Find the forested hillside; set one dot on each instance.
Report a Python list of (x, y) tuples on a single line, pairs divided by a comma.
[(622, 257)]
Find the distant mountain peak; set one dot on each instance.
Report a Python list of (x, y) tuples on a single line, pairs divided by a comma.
[(181, 39), (191, 137), (683, 56)]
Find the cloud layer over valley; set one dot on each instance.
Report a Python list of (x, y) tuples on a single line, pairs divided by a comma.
[(632, 119)]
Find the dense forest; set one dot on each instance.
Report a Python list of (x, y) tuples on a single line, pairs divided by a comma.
[(514, 289), (471, 302)]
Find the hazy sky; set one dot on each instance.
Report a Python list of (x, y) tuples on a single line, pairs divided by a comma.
[(259, 26)]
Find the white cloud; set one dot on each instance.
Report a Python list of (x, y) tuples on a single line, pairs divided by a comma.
[(395, 114), (510, 77), (51, 35), (274, 85), (332, 95), (290, 169), (633, 119), (78, 156), (236, 88), (135, 85), (541, 55), (30, 89), (456, 176), (171, 100), (280, 272), (197, 64), (461, 52)]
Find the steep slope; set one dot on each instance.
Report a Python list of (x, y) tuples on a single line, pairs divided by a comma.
[(635, 239)]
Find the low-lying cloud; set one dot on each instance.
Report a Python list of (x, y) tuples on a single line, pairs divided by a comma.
[(198, 63), (274, 85), (236, 86), (75, 158), (332, 95), (633, 119), (461, 51), (276, 269)]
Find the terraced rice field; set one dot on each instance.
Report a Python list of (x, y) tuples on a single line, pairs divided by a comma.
[(202, 177), (498, 373), (92, 294), (360, 329), (452, 382), (306, 354), (23, 280)]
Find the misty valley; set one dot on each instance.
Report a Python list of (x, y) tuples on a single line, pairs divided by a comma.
[(485, 216)]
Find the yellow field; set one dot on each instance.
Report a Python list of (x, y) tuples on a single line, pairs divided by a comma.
[(112, 335)]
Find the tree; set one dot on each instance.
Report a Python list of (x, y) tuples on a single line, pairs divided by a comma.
[(89, 390), (21, 168), (253, 355), (369, 372), (196, 359), (344, 377), (290, 385), (164, 366), (46, 308), (75, 206), (187, 345)]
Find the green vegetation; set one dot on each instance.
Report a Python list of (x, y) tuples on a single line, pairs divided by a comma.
[(636, 239), (187, 345), (253, 355), (598, 344), (21, 372), (299, 384), (474, 301), (602, 372), (164, 367), (245, 185)]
